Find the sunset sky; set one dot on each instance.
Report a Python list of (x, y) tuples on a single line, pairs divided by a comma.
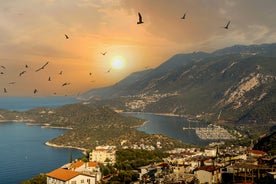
[(33, 33)]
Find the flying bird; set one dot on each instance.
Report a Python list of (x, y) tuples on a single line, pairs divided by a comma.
[(1, 72), (41, 68), (66, 36), (3, 67), (21, 73), (49, 79), (60, 73), (108, 70), (227, 25), (35, 91), (5, 90), (66, 83), (184, 16), (26, 66), (103, 53), (140, 21)]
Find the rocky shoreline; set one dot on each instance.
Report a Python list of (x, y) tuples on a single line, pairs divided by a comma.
[(63, 146)]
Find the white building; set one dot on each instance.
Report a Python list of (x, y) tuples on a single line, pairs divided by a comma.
[(208, 174), (64, 176), (103, 154)]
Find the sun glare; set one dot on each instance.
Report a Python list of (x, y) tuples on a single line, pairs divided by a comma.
[(117, 63)]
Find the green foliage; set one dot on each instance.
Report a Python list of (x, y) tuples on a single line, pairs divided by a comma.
[(127, 159), (267, 144), (40, 179)]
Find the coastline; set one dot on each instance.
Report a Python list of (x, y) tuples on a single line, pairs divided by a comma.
[(15, 120), (160, 114), (62, 146)]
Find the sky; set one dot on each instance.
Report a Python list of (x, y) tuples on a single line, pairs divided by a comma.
[(106, 44)]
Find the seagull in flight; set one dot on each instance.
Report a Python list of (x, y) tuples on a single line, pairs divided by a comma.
[(3, 67), (21, 73), (184, 16), (35, 91), (103, 53), (66, 36), (60, 73), (41, 68), (49, 79), (66, 83), (140, 21), (227, 25), (5, 90)]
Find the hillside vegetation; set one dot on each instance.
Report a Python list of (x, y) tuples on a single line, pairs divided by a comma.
[(89, 127)]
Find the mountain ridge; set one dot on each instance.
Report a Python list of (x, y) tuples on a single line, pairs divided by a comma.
[(237, 82)]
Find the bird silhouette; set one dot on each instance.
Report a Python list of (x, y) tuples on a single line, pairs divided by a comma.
[(108, 70), (49, 79), (140, 21), (103, 53), (227, 25), (184, 16), (26, 66), (1, 72), (3, 67), (5, 90), (11, 82), (21, 73), (65, 84), (66, 36), (41, 68), (35, 91), (90, 73), (60, 73)]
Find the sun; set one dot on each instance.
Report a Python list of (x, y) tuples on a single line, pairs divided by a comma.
[(117, 62)]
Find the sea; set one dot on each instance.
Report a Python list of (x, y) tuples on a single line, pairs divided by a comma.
[(171, 126), (23, 153)]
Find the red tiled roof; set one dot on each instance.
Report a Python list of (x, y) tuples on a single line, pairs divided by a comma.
[(93, 164), (62, 174), (100, 149), (77, 164), (258, 152), (209, 168)]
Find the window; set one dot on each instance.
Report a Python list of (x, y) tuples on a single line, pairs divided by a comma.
[(73, 182), (82, 181)]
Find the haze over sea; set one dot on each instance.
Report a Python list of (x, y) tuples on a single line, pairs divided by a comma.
[(22, 149)]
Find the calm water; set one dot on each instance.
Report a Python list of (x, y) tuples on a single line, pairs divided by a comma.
[(23, 153), (170, 126)]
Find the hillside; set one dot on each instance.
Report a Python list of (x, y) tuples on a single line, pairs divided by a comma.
[(267, 143), (238, 82), (89, 127)]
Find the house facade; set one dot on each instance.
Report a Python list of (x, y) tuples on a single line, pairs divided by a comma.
[(64, 176), (103, 154)]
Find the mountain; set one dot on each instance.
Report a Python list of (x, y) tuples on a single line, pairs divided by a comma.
[(234, 84)]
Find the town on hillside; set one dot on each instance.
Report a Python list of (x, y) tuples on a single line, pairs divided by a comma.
[(212, 165)]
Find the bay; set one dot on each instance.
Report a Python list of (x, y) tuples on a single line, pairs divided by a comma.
[(171, 126), (23, 153)]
